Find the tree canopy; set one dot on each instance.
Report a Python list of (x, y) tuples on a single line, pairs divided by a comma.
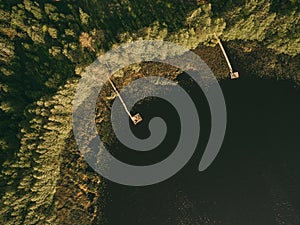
[(45, 46)]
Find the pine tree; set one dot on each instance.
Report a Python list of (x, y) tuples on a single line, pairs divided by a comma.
[(36, 170), (284, 37)]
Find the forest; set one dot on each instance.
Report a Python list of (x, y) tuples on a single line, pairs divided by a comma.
[(45, 46)]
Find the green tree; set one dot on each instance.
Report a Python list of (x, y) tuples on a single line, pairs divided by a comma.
[(29, 199)]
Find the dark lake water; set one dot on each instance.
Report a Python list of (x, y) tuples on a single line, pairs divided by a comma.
[(255, 178)]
